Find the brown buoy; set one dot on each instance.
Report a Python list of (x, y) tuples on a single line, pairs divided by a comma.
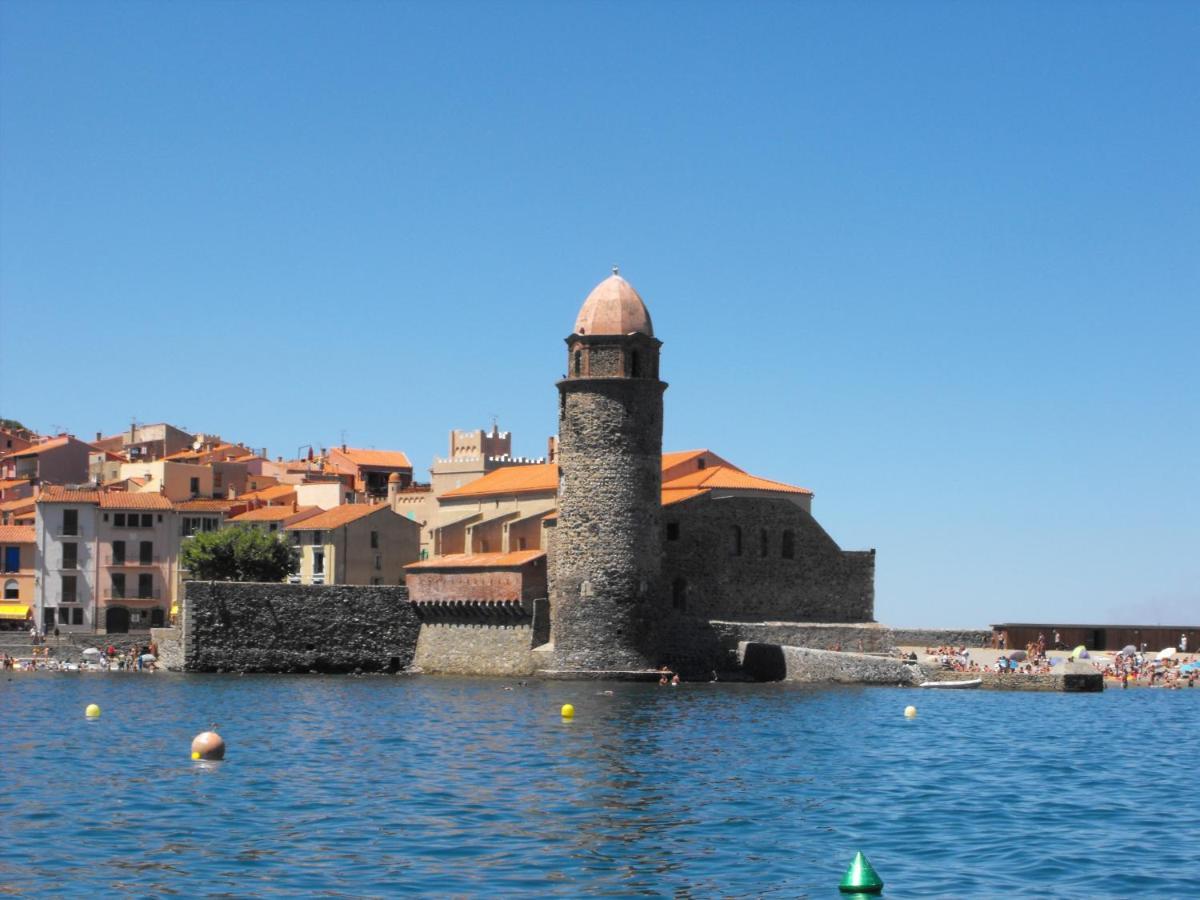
[(208, 745)]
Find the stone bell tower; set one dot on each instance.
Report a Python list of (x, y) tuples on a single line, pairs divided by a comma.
[(604, 586)]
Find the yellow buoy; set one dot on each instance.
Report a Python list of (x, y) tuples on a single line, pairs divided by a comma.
[(92, 711), (208, 745), (568, 711), (910, 712)]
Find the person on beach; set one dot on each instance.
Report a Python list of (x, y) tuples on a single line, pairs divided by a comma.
[(1183, 643)]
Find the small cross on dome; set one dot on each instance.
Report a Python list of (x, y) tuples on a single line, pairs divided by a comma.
[(616, 271)]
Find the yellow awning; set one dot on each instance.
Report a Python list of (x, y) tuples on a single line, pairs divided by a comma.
[(14, 611), (174, 610)]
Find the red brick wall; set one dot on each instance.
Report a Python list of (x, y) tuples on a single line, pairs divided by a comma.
[(528, 583)]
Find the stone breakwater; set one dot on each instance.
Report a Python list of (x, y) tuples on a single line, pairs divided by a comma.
[(233, 627), (771, 662)]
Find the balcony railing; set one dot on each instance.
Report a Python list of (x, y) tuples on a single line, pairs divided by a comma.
[(111, 596)]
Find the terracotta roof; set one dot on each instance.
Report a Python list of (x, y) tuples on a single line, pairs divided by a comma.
[(274, 513), (730, 478), (390, 459), (21, 503), (538, 478), (338, 516), (126, 500), (12, 482), (207, 505), (53, 444), (274, 492), (613, 307), (678, 495), (671, 460), (479, 560), (57, 494), (17, 534)]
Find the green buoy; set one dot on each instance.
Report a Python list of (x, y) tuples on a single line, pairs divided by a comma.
[(861, 877)]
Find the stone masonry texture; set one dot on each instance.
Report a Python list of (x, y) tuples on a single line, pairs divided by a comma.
[(236, 627), (605, 588)]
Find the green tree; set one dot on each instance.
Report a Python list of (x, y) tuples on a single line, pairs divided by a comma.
[(237, 554)]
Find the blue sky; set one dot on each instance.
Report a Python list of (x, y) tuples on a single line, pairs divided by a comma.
[(937, 262)]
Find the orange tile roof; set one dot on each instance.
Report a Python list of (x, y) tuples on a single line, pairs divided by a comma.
[(670, 460), (274, 513), (52, 444), (390, 459), (338, 516), (534, 479), (17, 534), (126, 500), (57, 494), (274, 492), (21, 503), (678, 495), (479, 560), (12, 482), (730, 478), (207, 505)]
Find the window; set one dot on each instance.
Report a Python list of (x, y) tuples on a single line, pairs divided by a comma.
[(68, 589), (635, 365), (70, 552), (147, 520), (376, 581), (578, 361), (146, 586), (118, 553), (77, 616), (737, 540), (195, 486), (679, 593), (118, 520), (70, 521), (160, 518), (520, 543), (11, 589), (146, 553), (118, 585), (64, 614), (48, 618), (272, 527), (318, 562), (702, 463), (12, 559), (316, 538), (764, 543), (672, 531), (378, 562), (789, 544), (374, 540)]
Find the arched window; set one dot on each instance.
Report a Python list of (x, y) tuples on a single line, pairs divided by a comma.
[(737, 540), (11, 590), (635, 364), (578, 362), (764, 543), (789, 544), (679, 593)]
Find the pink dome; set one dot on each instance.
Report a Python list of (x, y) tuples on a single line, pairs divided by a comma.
[(614, 307)]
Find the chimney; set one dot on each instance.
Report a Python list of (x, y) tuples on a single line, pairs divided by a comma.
[(552, 448), (99, 435)]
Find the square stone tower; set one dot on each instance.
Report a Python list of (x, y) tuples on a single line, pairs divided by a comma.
[(605, 594)]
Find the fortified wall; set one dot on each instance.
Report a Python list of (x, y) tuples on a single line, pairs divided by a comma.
[(236, 627)]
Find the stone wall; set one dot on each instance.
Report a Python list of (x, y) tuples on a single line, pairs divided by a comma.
[(1072, 678), (604, 583), (297, 628), (716, 567), (170, 648), (770, 662), (937, 637)]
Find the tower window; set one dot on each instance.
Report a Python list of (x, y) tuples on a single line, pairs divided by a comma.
[(702, 463), (672, 531), (679, 593), (578, 366), (764, 543), (737, 540), (635, 365), (789, 544)]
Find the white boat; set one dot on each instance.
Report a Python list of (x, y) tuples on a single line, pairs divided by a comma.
[(969, 683)]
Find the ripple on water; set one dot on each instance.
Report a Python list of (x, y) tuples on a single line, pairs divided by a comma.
[(376, 786)]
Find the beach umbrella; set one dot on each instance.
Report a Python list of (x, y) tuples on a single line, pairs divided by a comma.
[(1080, 652), (1165, 653), (1018, 654), (92, 651), (1129, 650)]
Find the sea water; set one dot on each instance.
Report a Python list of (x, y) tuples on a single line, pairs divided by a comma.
[(377, 786)]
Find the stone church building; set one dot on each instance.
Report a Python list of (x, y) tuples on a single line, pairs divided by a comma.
[(632, 558)]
